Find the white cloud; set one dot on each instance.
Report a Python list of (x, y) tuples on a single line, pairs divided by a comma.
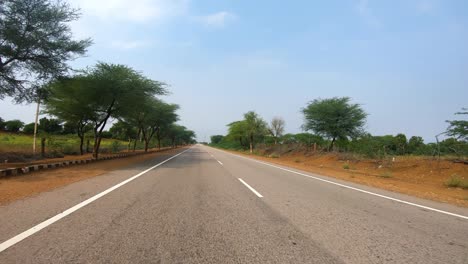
[(216, 20), (133, 11), (366, 13), (127, 45)]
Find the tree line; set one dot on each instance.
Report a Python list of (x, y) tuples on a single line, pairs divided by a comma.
[(36, 44), (336, 124)]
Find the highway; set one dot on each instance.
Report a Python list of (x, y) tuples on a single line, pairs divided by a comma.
[(209, 206)]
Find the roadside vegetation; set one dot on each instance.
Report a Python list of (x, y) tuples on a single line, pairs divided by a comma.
[(334, 139), (80, 105), (337, 126)]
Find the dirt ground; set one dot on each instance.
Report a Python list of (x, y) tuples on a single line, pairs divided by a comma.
[(417, 176), (18, 187)]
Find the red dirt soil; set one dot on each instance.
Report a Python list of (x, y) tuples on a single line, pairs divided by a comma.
[(19, 187), (422, 177)]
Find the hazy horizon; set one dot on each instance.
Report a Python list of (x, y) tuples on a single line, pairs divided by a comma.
[(404, 61)]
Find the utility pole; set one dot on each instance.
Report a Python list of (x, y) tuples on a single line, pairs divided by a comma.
[(35, 125)]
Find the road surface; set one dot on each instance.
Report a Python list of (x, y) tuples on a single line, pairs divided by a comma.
[(210, 206)]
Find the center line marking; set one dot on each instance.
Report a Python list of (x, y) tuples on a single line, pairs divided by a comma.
[(219, 162), (12, 241), (250, 188)]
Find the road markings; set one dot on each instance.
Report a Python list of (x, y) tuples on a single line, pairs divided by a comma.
[(357, 189), (220, 162), (252, 189), (12, 241)]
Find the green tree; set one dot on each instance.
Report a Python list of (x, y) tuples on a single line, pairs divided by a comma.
[(2, 124), (150, 116), (216, 139), (50, 126), (276, 128), (116, 91), (102, 92), (414, 144), (255, 126), (29, 128), (164, 116), (69, 128), (68, 101), (237, 131), (334, 118), (36, 41), (400, 144), (14, 125), (459, 128), (180, 135), (123, 131)]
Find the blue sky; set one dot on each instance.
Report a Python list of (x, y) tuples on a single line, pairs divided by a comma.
[(405, 61)]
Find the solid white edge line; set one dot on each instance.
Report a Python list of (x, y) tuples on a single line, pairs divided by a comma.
[(356, 189), (12, 241), (250, 188)]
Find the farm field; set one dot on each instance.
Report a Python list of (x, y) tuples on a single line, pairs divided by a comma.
[(17, 142), (17, 148)]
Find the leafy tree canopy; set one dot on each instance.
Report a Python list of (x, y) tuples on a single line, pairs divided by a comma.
[(36, 42), (459, 128), (334, 118)]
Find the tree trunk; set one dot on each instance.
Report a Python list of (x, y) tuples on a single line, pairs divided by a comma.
[(98, 128), (158, 136), (95, 150), (87, 145), (81, 144), (136, 139), (43, 141), (146, 145), (332, 144), (35, 125)]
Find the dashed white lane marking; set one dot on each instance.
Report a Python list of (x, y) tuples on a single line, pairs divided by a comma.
[(356, 189), (12, 241), (220, 162), (250, 188)]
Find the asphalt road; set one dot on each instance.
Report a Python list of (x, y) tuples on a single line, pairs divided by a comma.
[(209, 206)]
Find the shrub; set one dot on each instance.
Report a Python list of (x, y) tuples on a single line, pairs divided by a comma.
[(106, 134), (115, 146), (346, 166), (386, 175), (456, 181)]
